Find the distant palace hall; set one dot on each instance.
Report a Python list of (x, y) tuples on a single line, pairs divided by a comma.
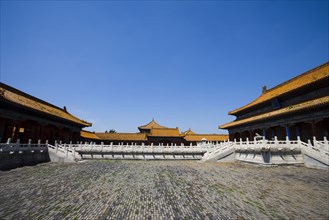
[(25, 117), (153, 133), (297, 107)]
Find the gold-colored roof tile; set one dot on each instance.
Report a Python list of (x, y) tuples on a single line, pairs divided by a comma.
[(88, 135), (164, 132), (150, 125), (15, 96), (208, 137), (189, 131), (122, 136), (293, 108), (297, 82)]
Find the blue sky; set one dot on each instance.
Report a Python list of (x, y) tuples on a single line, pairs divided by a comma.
[(118, 64)]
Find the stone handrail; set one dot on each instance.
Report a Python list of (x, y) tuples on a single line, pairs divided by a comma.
[(13, 147), (138, 148), (218, 147)]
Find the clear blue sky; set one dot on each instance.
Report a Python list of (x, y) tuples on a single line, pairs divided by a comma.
[(185, 63)]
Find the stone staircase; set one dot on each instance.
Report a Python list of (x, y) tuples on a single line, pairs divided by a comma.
[(62, 153), (272, 152), (223, 151)]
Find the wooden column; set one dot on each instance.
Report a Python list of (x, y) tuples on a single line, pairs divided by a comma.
[(2, 130), (288, 132)]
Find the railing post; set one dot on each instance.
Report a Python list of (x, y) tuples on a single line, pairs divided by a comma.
[(9, 141), (29, 143), (326, 146), (299, 141), (102, 145), (56, 147), (309, 143), (111, 146), (17, 142), (143, 147), (315, 144), (247, 141), (234, 143), (47, 143), (263, 143)]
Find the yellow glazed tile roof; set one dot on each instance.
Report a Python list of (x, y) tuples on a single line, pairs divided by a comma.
[(151, 125), (304, 79), (122, 136), (88, 135), (293, 108), (164, 132), (15, 96), (208, 137), (189, 131)]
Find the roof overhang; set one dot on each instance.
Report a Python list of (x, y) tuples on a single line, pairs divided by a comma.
[(280, 112)]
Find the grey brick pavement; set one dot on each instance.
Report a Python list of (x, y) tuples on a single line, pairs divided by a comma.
[(163, 190)]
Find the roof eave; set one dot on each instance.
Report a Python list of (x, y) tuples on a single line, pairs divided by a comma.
[(295, 108)]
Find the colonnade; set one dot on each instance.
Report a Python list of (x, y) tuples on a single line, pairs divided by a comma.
[(305, 130)]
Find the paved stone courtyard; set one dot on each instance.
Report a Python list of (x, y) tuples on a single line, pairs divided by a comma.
[(163, 190)]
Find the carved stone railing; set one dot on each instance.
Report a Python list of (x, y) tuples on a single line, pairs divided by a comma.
[(274, 151), (218, 151), (132, 149), (267, 145), (13, 155), (20, 147)]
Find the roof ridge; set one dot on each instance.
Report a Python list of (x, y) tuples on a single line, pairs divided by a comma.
[(154, 122), (297, 77), (165, 128), (50, 108), (12, 89), (207, 134), (288, 109), (269, 94), (119, 133)]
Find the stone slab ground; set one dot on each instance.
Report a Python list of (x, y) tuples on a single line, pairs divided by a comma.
[(163, 190)]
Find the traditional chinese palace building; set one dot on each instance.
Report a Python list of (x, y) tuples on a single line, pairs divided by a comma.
[(25, 117), (153, 133), (297, 107)]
